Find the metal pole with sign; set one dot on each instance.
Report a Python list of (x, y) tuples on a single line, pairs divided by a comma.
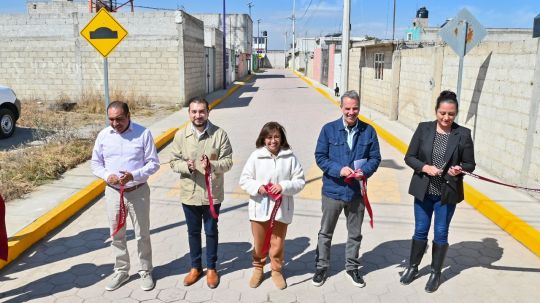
[(462, 34), (104, 33), (461, 55)]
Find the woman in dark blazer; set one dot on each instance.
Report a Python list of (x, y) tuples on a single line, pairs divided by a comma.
[(438, 153)]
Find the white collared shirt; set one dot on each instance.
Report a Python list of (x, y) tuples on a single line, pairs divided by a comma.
[(196, 131), (133, 151), (350, 132)]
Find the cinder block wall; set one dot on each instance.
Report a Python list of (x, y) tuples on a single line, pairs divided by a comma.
[(377, 92), (219, 59), (497, 100), (415, 90), (43, 56), (193, 57), (354, 70)]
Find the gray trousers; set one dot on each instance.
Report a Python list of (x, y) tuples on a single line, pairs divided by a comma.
[(354, 214), (138, 208)]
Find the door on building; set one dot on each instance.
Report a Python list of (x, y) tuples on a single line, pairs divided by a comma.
[(324, 66), (210, 68)]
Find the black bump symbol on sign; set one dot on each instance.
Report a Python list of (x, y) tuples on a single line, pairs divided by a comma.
[(104, 33)]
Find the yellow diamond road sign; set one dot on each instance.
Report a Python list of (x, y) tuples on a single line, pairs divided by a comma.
[(103, 32)]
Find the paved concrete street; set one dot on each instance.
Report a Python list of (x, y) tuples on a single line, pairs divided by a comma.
[(484, 263)]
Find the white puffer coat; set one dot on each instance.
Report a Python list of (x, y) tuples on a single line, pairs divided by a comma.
[(261, 169)]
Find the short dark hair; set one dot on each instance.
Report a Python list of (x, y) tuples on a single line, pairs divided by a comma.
[(266, 129), (199, 99), (447, 96), (119, 105)]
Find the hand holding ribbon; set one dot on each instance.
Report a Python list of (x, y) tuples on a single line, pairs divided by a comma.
[(208, 182), (277, 198), (358, 174)]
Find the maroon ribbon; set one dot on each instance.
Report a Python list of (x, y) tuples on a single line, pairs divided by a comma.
[(3, 232), (121, 216), (277, 198), (500, 183), (358, 174), (208, 181)]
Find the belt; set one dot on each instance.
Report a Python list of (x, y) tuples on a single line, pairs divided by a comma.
[(129, 189)]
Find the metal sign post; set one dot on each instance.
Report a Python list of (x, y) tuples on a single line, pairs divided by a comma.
[(106, 87), (463, 37), (462, 34), (104, 33)]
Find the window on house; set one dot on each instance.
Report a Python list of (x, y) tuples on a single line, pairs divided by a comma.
[(409, 36), (379, 65)]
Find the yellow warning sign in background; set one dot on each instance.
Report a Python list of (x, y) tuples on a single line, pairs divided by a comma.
[(104, 32)]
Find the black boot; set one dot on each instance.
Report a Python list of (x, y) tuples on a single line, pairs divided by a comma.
[(418, 247), (438, 255)]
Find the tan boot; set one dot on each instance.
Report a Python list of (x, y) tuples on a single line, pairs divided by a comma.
[(279, 280), (256, 278)]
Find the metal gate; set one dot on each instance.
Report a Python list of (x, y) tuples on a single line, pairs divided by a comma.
[(324, 66), (210, 68)]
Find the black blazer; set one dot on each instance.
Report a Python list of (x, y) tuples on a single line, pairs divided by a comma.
[(459, 151)]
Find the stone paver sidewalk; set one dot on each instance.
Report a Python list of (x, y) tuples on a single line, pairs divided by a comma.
[(484, 263)]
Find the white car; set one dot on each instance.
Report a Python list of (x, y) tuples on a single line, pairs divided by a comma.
[(10, 110)]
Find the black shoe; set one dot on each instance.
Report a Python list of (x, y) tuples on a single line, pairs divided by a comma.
[(356, 278), (418, 247), (319, 278), (438, 255)]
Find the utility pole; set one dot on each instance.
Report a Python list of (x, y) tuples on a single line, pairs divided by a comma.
[(258, 43), (293, 18), (225, 61), (285, 48), (250, 5), (345, 37), (394, 22)]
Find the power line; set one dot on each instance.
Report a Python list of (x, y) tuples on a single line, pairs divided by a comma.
[(156, 8), (306, 9)]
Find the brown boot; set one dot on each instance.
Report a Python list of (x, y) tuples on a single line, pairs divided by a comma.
[(256, 278), (278, 279), (193, 276), (212, 278)]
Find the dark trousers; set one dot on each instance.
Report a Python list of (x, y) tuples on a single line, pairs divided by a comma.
[(423, 211), (354, 214), (196, 216)]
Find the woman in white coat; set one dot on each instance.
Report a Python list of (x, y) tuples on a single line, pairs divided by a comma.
[(274, 163)]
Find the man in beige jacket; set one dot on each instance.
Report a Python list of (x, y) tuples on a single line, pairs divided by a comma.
[(194, 148)]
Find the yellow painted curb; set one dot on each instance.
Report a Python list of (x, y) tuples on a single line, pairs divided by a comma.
[(38, 229), (513, 225)]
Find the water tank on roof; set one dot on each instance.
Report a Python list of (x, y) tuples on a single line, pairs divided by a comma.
[(422, 13)]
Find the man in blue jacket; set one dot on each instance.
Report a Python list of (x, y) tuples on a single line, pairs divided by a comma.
[(341, 144)]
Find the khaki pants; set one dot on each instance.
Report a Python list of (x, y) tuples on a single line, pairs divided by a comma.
[(138, 208), (277, 244)]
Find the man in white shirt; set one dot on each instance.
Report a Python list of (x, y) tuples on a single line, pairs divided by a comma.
[(125, 156)]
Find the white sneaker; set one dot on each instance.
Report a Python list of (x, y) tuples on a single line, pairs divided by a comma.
[(147, 283), (118, 278)]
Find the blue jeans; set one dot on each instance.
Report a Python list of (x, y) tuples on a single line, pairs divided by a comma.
[(423, 211), (195, 217)]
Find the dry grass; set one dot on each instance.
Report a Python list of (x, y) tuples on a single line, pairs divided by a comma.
[(24, 169), (66, 133), (92, 102)]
